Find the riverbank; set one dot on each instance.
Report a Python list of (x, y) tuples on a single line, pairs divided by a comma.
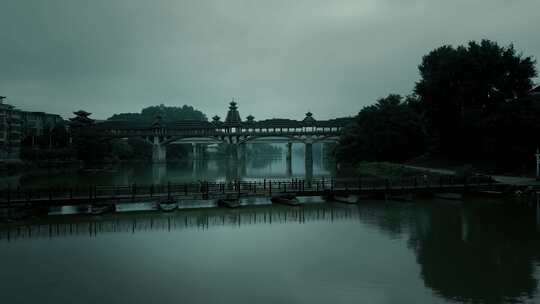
[(387, 170)]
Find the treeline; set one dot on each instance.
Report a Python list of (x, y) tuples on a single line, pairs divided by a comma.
[(167, 113), (469, 105), (91, 148), (52, 144)]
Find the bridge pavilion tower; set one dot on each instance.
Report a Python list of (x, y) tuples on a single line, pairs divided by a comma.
[(233, 123), (308, 122)]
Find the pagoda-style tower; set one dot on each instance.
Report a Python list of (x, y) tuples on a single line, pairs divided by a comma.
[(309, 118), (233, 116), (81, 119)]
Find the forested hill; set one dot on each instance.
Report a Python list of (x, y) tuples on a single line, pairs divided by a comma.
[(168, 113)]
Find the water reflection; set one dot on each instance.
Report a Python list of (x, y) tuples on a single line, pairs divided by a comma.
[(478, 252), (214, 169), (186, 219), (484, 254)]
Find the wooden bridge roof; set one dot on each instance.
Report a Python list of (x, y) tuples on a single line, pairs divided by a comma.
[(197, 124)]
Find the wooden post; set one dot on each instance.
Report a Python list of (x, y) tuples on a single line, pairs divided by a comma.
[(168, 190), (152, 190), (269, 188), (185, 189), (8, 195), (70, 193)]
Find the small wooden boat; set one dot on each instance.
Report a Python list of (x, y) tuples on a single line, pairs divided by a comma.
[(287, 199), (346, 199), (168, 205), (449, 196), (229, 202), (493, 194), (101, 209), (407, 197)]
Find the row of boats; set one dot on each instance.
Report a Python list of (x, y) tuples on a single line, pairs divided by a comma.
[(169, 204)]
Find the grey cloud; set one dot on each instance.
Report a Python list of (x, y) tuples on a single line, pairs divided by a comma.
[(279, 58)]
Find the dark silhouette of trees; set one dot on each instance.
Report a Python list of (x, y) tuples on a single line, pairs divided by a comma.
[(463, 90), (470, 102), (389, 130), (168, 113)]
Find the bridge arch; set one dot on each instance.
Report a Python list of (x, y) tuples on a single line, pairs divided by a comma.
[(191, 140), (272, 138)]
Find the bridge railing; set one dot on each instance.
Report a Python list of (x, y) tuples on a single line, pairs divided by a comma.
[(204, 189)]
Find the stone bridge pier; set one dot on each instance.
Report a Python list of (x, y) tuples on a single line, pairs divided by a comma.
[(308, 156), (159, 151), (289, 159)]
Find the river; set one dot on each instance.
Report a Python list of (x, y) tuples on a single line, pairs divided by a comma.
[(427, 251)]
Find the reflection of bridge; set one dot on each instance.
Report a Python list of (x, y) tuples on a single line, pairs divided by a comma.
[(233, 131), (187, 219)]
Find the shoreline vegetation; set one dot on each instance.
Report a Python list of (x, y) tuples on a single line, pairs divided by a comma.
[(473, 109)]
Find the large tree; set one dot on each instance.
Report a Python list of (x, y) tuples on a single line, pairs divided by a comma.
[(462, 87), (390, 130)]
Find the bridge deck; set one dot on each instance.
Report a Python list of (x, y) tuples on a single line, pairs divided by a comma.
[(96, 194)]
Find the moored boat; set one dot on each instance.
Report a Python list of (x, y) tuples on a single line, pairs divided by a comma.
[(346, 199), (287, 199), (168, 205), (229, 202), (407, 197), (101, 209), (449, 196)]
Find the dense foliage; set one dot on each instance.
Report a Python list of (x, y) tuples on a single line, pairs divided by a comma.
[(388, 130), (464, 90), (470, 102), (52, 144), (91, 149), (168, 113)]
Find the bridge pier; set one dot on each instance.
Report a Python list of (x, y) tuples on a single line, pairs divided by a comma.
[(197, 151), (242, 158), (241, 150), (159, 151), (289, 159), (308, 155), (159, 173)]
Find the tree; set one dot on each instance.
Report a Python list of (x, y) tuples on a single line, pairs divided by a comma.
[(168, 113), (460, 87), (390, 130)]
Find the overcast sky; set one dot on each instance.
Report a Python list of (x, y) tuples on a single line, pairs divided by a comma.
[(278, 58)]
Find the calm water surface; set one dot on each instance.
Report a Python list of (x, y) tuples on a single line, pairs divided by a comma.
[(376, 252)]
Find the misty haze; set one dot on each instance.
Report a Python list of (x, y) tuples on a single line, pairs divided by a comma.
[(371, 151)]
